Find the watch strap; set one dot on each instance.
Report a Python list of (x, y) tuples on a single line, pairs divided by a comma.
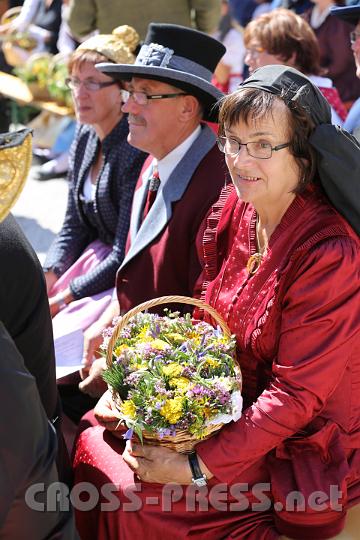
[(196, 472)]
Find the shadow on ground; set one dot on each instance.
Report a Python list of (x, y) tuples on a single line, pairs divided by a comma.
[(39, 237)]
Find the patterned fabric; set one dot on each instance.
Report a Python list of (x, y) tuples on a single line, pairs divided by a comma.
[(154, 184), (333, 97), (110, 210)]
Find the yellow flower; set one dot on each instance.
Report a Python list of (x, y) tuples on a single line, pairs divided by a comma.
[(212, 362), (172, 410), (206, 411), (181, 383), (176, 338), (128, 408), (120, 349), (172, 370), (143, 335), (158, 344)]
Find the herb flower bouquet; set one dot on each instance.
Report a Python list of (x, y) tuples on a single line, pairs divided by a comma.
[(174, 382)]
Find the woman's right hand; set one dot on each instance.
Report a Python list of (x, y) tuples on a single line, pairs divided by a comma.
[(50, 279), (107, 416)]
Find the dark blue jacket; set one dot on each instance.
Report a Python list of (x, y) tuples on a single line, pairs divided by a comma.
[(107, 218)]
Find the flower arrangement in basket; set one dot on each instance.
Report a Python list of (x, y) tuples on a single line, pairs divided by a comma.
[(57, 74), (35, 73), (174, 382)]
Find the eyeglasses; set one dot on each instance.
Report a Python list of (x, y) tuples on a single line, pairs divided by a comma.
[(142, 98), (255, 51), (354, 36), (93, 86), (258, 149)]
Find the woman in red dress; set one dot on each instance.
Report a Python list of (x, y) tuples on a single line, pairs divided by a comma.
[(282, 267)]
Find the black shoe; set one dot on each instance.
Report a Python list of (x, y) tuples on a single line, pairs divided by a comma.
[(38, 174)]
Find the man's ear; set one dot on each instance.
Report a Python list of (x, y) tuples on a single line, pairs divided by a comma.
[(190, 108)]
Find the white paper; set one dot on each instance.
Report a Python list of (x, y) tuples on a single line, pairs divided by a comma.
[(68, 353)]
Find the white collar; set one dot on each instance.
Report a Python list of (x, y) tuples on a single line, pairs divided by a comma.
[(317, 18), (167, 164), (324, 82)]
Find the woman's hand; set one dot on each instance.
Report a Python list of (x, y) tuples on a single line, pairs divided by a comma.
[(106, 414), (59, 301), (50, 279), (157, 464), (93, 383)]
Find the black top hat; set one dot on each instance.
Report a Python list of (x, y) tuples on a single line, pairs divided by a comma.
[(350, 14), (180, 56)]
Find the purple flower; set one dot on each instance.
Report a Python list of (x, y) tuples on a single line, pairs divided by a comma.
[(128, 435)]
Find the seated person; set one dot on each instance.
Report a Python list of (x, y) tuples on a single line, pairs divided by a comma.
[(336, 58), (40, 20), (282, 37), (282, 269), (229, 71), (162, 256), (351, 15), (27, 456), (81, 264), (24, 306)]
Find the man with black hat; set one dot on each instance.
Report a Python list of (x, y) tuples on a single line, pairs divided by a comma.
[(351, 14), (169, 94)]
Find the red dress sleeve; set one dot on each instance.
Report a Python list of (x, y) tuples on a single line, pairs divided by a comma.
[(320, 324)]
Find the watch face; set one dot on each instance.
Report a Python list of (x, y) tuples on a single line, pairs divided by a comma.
[(200, 482)]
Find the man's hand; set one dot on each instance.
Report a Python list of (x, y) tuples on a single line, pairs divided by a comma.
[(106, 414), (92, 341), (94, 385), (93, 336)]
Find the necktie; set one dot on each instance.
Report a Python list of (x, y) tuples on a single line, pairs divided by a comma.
[(154, 183)]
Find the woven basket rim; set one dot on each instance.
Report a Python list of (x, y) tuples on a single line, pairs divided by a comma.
[(157, 302)]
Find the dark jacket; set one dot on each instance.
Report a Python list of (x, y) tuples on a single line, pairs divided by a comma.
[(108, 217), (163, 257), (336, 55), (27, 456), (24, 310)]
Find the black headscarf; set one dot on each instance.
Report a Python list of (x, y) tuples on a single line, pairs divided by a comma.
[(338, 152)]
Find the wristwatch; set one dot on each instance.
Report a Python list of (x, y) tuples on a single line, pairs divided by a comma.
[(198, 477)]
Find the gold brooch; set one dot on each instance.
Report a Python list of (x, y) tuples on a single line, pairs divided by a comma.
[(253, 264)]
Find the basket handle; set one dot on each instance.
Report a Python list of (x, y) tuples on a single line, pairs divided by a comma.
[(157, 302)]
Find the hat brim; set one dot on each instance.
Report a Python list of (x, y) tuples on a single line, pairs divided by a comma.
[(205, 92), (349, 14)]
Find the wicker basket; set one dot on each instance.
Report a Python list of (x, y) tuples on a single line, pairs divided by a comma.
[(17, 48), (182, 442)]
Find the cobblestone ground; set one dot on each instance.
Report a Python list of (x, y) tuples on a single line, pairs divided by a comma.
[(40, 211)]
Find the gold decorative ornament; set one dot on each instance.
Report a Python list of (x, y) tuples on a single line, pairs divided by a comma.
[(254, 261), (15, 161), (118, 47)]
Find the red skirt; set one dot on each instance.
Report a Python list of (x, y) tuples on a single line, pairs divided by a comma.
[(110, 504)]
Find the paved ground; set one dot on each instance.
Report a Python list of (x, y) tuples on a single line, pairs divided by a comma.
[(40, 211)]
